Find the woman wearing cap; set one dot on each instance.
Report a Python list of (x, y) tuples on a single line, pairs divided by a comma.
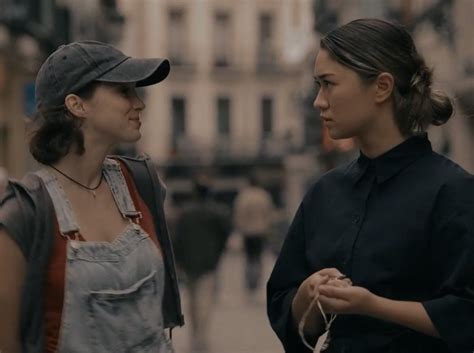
[(86, 263), (385, 242)]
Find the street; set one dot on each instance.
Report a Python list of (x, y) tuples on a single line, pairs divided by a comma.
[(239, 325)]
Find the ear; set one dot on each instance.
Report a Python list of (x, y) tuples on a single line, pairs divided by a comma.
[(384, 87), (75, 105)]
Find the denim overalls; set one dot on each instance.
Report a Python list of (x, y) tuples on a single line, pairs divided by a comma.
[(113, 290)]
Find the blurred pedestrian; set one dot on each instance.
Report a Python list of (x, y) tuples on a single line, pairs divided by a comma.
[(398, 221), (86, 263), (3, 180), (201, 232), (253, 217)]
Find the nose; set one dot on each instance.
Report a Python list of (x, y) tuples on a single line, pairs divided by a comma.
[(320, 102), (138, 104)]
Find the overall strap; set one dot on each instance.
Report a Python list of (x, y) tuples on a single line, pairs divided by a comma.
[(64, 213), (118, 187)]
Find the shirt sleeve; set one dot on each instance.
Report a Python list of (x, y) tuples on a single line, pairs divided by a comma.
[(452, 253), (12, 218), (289, 272)]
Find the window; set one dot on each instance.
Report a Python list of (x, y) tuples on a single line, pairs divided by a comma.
[(267, 116), (222, 39), (223, 116), (177, 36), (178, 116), (266, 54)]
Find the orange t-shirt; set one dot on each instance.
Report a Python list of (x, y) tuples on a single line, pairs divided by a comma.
[(55, 272)]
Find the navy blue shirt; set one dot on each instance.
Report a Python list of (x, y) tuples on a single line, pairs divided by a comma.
[(400, 225)]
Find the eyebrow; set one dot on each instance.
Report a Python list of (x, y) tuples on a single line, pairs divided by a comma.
[(316, 77)]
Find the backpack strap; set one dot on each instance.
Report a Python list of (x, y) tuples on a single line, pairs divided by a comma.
[(153, 191)]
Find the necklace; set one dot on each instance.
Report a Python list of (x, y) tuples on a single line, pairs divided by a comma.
[(91, 189)]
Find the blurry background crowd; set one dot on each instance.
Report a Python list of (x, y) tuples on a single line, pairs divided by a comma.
[(235, 110)]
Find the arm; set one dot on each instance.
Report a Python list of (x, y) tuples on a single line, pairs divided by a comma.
[(291, 288), (409, 314), (12, 274), (360, 301)]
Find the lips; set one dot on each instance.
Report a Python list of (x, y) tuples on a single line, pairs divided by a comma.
[(137, 121), (325, 118)]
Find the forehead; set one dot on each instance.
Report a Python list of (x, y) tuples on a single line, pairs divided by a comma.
[(112, 85), (325, 65)]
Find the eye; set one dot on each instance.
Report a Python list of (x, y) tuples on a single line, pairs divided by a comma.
[(124, 90), (317, 85), (326, 83), (322, 84)]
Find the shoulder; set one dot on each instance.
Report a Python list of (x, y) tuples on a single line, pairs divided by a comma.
[(329, 182), (141, 169), (131, 163), (456, 185), (18, 208), (448, 170), (21, 194), (448, 177)]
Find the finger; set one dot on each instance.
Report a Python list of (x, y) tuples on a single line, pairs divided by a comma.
[(342, 293), (331, 272), (332, 305), (338, 283), (348, 281), (315, 282)]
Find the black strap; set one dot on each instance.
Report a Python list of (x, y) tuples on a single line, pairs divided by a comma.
[(143, 181)]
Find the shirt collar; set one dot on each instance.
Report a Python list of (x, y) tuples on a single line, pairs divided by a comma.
[(393, 161)]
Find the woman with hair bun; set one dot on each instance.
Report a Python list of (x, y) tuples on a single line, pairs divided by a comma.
[(380, 255)]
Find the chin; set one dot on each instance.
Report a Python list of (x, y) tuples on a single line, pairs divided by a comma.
[(339, 135), (133, 137)]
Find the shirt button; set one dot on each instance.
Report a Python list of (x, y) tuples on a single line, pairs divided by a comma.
[(356, 219)]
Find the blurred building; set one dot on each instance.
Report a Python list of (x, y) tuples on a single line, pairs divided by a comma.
[(232, 100), (29, 31)]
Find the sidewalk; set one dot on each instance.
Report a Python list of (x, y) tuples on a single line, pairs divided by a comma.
[(239, 325)]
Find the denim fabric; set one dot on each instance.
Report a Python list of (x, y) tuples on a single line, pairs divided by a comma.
[(113, 290), (118, 186), (64, 213)]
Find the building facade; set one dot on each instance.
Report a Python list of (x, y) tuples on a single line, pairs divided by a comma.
[(235, 79), (29, 31), (232, 101)]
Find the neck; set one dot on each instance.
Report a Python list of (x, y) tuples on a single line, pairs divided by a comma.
[(380, 138), (85, 168)]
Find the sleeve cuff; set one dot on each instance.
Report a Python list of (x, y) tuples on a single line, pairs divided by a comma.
[(452, 316)]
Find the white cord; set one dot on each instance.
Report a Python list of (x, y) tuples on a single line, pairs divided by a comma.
[(327, 323)]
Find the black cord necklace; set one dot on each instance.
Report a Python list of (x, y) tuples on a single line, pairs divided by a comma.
[(91, 189)]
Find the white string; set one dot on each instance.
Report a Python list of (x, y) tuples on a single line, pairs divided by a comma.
[(327, 322)]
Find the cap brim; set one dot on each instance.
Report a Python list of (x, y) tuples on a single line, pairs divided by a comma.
[(144, 72)]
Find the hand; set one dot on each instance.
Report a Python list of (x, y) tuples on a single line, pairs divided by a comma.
[(305, 295), (344, 299), (310, 286)]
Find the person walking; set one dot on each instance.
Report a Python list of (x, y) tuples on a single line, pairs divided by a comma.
[(86, 263), (379, 257), (3, 180), (201, 232), (253, 218)]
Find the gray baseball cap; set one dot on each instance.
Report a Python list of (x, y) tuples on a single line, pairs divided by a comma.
[(75, 65)]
